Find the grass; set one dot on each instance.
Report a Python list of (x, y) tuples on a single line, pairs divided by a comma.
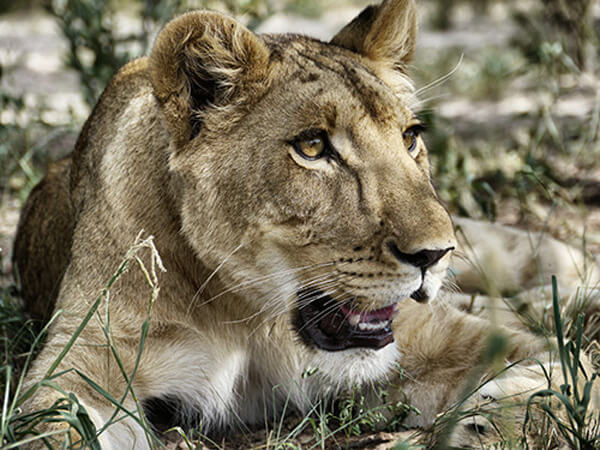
[(577, 403), (18, 428)]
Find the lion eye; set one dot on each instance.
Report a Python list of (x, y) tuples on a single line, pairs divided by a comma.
[(411, 136), (311, 145)]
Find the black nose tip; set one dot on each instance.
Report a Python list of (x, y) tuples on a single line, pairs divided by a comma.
[(422, 259)]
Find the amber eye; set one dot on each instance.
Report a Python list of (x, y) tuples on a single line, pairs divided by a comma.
[(311, 144), (411, 136)]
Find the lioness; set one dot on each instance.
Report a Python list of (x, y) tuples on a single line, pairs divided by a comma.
[(287, 188)]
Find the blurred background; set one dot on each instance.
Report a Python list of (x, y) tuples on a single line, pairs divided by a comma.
[(510, 93)]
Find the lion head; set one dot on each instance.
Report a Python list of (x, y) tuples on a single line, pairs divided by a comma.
[(299, 170)]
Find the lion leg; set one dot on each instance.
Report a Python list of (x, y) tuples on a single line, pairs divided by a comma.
[(501, 260), (90, 357), (443, 363), (505, 275), (194, 371), (125, 432), (440, 348), (508, 407), (531, 309), (516, 313), (526, 311)]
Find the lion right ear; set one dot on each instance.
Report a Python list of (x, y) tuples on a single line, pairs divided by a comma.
[(385, 33), (202, 60)]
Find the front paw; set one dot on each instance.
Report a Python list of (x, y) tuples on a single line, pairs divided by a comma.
[(527, 405)]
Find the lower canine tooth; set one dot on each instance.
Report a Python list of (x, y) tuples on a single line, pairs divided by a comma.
[(354, 319)]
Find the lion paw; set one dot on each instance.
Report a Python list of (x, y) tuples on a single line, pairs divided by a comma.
[(511, 408)]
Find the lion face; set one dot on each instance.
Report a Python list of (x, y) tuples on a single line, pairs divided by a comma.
[(302, 174)]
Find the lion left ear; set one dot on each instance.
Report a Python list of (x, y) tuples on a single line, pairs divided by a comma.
[(202, 61), (385, 33)]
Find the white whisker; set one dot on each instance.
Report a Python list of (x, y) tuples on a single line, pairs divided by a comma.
[(441, 79), (211, 276), (261, 279), (336, 304), (282, 307), (425, 101)]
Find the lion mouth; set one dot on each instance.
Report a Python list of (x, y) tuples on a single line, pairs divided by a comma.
[(329, 325)]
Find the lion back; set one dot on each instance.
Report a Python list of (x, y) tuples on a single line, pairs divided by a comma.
[(42, 247)]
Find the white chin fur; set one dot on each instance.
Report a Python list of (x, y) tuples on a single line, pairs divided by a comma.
[(347, 368)]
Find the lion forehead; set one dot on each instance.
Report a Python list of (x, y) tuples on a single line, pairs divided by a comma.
[(340, 77)]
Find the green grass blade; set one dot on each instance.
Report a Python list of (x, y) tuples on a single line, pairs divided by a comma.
[(5, 416), (564, 357)]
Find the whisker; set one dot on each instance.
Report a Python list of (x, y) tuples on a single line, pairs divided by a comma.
[(425, 101), (442, 79), (267, 303), (337, 303), (278, 308), (277, 274), (263, 308), (320, 283), (328, 309), (211, 276), (283, 308), (252, 282)]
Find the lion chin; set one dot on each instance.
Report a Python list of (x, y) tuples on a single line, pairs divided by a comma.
[(287, 190)]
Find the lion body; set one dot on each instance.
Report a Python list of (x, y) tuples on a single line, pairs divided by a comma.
[(199, 157)]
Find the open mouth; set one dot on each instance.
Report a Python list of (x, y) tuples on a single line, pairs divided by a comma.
[(325, 323)]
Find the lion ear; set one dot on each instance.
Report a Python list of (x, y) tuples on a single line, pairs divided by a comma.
[(385, 33), (203, 60)]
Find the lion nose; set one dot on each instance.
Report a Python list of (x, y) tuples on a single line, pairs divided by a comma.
[(422, 259)]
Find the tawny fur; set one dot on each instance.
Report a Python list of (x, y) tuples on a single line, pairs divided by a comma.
[(191, 145)]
